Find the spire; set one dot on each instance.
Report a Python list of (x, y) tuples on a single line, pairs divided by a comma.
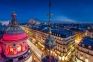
[(13, 21), (49, 17), (49, 42)]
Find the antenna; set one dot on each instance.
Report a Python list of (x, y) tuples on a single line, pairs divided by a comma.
[(49, 17)]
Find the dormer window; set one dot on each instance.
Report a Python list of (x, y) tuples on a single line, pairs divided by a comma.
[(89, 47), (59, 35), (83, 45)]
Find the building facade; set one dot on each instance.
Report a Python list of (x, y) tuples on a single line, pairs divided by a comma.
[(65, 40), (13, 44), (89, 33), (84, 52)]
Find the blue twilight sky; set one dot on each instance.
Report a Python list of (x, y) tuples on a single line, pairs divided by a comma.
[(63, 10)]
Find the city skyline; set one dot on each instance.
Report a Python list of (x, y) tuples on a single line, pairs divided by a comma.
[(64, 10), (41, 42)]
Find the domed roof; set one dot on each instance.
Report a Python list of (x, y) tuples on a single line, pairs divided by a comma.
[(14, 32)]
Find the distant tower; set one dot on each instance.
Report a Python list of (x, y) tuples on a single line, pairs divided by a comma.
[(49, 43)]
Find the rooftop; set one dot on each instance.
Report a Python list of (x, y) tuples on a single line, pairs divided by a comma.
[(13, 32), (87, 42), (2, 28), (61, 32)]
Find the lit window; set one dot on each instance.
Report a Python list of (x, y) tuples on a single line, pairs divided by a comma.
[(7, 50), (23, 48), (10, 50), (14, 51), (63, 58), (83, 45), (19, 48), (89, 47), (77, 60), (59, 58), (86, 60), (81, 57)]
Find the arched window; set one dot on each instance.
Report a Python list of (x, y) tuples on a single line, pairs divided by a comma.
[(10, 50), (89, 47), (83, 45), (86, 60), (19, 48)]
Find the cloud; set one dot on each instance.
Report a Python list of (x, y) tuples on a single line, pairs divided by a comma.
[(70, 21), (65, 19), (4, 22)]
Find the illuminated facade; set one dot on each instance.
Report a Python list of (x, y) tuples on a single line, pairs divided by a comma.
[(79, 35), (13, 46), (84, 52), (65, 41), (49, 46), (89, 33)]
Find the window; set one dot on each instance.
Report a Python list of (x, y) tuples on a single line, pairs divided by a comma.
[(10, 60), (20, 58), (89, 47), (86, 60), (19, 48), (24, 47), (12, 50), (83, 45)]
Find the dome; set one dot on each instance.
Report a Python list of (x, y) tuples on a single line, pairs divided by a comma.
[(14, 32), (13, 44)]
